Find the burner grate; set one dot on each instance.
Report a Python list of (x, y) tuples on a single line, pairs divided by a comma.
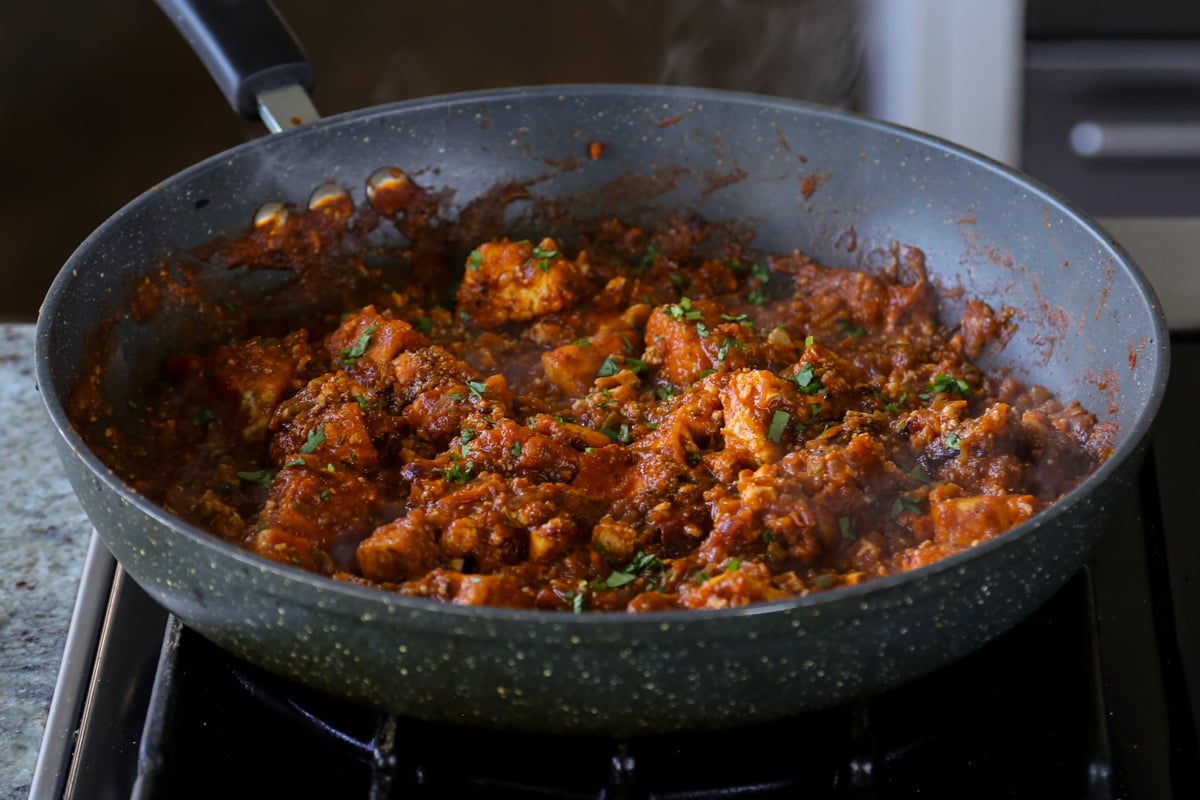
[(980, 723)]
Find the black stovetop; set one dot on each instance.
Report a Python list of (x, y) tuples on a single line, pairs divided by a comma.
[(1089, 697)]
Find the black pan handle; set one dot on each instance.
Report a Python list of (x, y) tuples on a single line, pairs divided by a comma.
[(250, 52)]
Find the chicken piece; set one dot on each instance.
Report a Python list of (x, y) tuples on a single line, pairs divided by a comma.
[(333, 434), (573, 367), (511, 449), (737, 586), (367, 341), (674, 340), (326, 507), (617, 540), (509, 281), (757, 407), (961, 521), (260, 373), (285, 547), (401, 550)]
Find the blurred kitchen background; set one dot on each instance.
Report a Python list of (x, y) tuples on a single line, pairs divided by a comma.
[(103, 100)]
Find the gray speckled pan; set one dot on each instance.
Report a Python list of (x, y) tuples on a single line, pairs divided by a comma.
[(1090, 329)]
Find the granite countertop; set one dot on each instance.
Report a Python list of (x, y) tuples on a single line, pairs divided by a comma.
[(44, 536)]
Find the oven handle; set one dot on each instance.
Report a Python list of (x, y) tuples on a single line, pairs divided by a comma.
[(1098, 141)]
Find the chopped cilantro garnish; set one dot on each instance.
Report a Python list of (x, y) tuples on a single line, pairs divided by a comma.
[(945, 383), (542, 256), (643, 565), (359, 348), (682, 311), (458, 473), (649, 257), (614, 364), (262, 477), (806, 380), (315, 438), (779, 423), (903, 504), (844, 529)]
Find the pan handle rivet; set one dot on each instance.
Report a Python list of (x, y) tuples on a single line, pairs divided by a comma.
[(273, 214), (325, 194), (384, 179)]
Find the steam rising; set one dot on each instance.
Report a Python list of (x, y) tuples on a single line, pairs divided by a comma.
[(808, 49)]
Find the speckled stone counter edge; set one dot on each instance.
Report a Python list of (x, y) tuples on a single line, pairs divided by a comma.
[(44, 536)]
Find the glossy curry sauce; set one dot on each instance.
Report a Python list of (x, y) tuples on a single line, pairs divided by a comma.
[(628, 425)]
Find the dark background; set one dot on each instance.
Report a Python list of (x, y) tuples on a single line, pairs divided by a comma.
[(101, 100)]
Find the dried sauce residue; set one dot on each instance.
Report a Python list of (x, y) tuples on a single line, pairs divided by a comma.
[(1109, 385), (669, 121), (714, 180), (811, 182)]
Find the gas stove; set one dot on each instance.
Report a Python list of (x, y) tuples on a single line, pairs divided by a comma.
[(1091, 696)]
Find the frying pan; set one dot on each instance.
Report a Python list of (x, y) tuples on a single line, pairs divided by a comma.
[(842, 187)]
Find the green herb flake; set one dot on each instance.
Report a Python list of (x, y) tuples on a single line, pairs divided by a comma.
[(682, 311), (262, 477), (723, 350), (359, 349), (849, 330), (424, 325), (324, 494), (741, 319), (475, 260), (458, 473), (649, 257), (806, 379), (203, 418), (666, 393), (315, 439), (542, 256), (953, 441), (608, 368), (844, 529), (779, 423), (477, 388), (298, 461), (945, 383), (516, 450), (903, 504)]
